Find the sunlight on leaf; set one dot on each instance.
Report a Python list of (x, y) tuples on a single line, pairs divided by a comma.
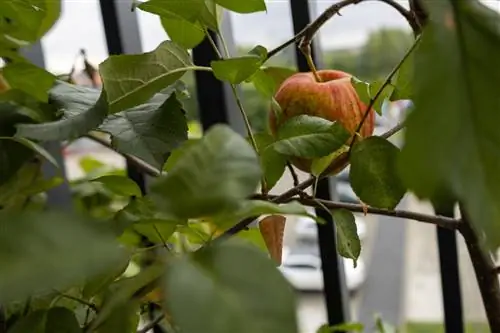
[(213, 175), (29, 78), (247, 6), (131, 80)]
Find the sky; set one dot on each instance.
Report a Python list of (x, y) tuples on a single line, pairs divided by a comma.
[(80, 26)]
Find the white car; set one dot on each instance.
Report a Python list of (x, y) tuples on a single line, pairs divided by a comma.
[(306, 227), (303, 271)]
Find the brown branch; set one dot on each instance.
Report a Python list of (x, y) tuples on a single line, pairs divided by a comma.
[(305, 35), (140, 164), (419, 14), (293, 174), (442, 221), (486, 272)]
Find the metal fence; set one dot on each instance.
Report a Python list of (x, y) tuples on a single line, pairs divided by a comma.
[(217, 105)]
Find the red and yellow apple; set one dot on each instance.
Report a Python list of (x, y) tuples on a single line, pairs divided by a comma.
[(333, 98)]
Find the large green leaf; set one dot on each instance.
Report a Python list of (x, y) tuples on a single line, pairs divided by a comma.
[(183, 32), (247, 6), (58, 248), (150, 131), (27, 20), (310, 137), (273, 163), (452, 137), (131, 80), (226, 294), (123, 319), (348, 242), (29, 78), (82, 109), (213, 175), (373, 173)]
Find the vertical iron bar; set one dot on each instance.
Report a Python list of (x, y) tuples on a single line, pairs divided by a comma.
[(450, 278), (335, 289), (121, 29), (60, 196), (216, 103)]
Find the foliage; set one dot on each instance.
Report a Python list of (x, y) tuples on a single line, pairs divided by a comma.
[(95, 266)]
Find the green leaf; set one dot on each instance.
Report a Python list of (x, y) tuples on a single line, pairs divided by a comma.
[(247, 6), (405, 79), (58, 253), (82, 108), (225, 294), (183, 32), (373, 173), (123, 319), (29, 78), (12, 156), (452, 135), (150, 131), (319, 165), (124, 290), (254, 237), (213, 175), (33, 146), (177, 153), (120, 185), (236, 70), (157, 233), (98, 283), (273, 164), (189, 10), (348, 243), (251, 208), (310, 137), (61, 320), (192, 11), (29, 20), (383, 327), (267, 80), (368, 91), (131, 80), (33, 323)]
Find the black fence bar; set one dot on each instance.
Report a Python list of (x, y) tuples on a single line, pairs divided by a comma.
[(216, 102), (59, 196), (121, 29), (450, 279), (335, 289)]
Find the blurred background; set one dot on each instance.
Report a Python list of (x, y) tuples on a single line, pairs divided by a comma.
[(398, 276)]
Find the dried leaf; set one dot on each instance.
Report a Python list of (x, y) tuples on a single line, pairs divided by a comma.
[(272, 229)]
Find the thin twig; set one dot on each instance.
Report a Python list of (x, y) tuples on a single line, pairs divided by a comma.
[(152, 324), (293, 174), (442, 221), (140, 164), (312, 28), (387, 82), (78, 300), (393, 130)]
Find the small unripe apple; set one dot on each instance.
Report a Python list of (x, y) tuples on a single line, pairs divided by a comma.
[(334, 99)]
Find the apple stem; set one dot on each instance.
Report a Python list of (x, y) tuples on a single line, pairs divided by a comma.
[(306, 51)]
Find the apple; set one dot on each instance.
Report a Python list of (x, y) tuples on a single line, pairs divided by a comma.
[(334, 99)]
